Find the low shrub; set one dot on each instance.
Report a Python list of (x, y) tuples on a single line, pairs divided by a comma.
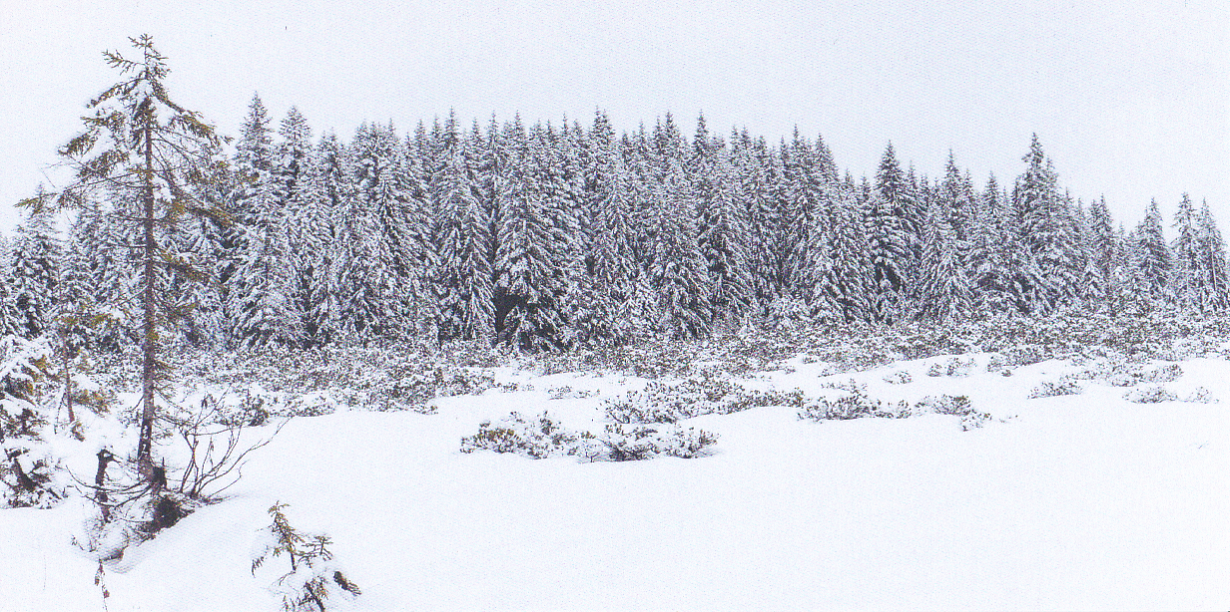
[(669, 403), (954, 405), (953, 367), (624, 442), (855, 405), (544, 437), (898, 377), (1150, 395), (1056, 389), (538, 438), (1129, 373), (1201, 396)]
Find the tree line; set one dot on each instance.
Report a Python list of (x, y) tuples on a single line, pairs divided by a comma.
[(552, 236)]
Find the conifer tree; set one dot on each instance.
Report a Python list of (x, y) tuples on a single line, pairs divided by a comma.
[(527, 313), (611, 255), (1043, 272), (889, 237), (1186, 253), (9, 320), (35, 260), (1154, 262), (463, 278), (722, 226), (142, 146), (250, 206), (1213, 272), (1103, 244), (841, 260), (991, 235), (944, 292), (678, 272)]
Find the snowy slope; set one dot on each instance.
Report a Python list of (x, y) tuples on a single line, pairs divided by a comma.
[(1075, 502)]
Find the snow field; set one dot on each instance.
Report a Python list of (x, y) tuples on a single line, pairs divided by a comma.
[(1073, 502)]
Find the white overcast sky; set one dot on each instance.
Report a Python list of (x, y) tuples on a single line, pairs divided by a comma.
[(1130, 98)]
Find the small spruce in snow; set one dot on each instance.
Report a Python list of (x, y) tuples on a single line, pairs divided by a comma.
[(306, 586)]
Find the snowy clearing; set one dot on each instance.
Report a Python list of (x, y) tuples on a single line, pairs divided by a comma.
[(1072, 502)]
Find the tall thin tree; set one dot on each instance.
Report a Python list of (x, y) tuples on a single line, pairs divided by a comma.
[(141, 146)]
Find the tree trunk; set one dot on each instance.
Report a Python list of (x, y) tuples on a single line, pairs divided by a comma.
[(68, 377), (100, 494), (149, 347)]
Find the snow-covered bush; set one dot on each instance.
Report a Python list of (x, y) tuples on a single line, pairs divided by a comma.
[(1056, 389), (668, 403), (958, 405), (855, 405), (1150, 395), (955, 405), (1162, 374), (537, 437), (30, 476), (1129, 373), (543, 437), (567, 392), (637, 442), (1014, 356), (314, 575), (1200, 396), (954, 367), (898, 377)]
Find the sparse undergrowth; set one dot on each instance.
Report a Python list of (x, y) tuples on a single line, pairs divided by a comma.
[(1056, 389), (856, 404), (543, 437), (662, 402)]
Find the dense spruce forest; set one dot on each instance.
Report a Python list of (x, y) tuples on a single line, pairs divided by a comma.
[(555, 236)]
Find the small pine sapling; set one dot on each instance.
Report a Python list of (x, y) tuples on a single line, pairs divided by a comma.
[(306, 585)]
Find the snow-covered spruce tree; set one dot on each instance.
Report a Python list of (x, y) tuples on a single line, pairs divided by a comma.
[(751, 159), (1044, 273), (526, 294), (141, 146), (610, 255), (313, 572), (463, 280), (293, 165), (564, 181), (988, 264), (801, 193), (9, 320), (1153, 263), (251, 211), (110, 242), (1103, 251), (840, 259), (722, 227), (383, 294), (957, 191), (35, 261), (1185, 248), (944, 292), (330, 196), (679, 272), (29, 474), (890, 241), (268, 274), (1213, 272)]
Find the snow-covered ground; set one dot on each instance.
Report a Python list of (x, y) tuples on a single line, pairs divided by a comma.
[(1074, 502)]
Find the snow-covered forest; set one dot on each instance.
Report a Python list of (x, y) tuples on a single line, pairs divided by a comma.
[(444, 356), (554, 236)]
